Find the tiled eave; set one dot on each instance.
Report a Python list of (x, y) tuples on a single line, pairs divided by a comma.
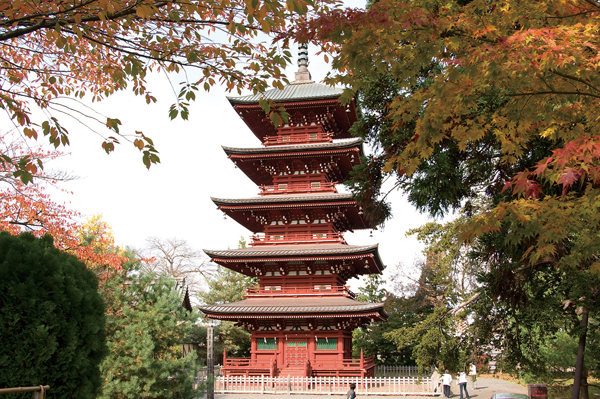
[(306, 250), (293, 92), (334, 199), (276, 308), (295, 104), (283, 206), (305, 253), (295, 307), (220, 316), (300, 149), (294, 155)]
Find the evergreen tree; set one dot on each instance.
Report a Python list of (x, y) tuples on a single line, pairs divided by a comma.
[(227, 286), (224, 287), (146, 323), (51, 319)]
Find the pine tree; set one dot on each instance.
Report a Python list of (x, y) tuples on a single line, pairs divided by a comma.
[(145, 325)]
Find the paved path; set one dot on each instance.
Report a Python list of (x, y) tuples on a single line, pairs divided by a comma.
[(486, 387)]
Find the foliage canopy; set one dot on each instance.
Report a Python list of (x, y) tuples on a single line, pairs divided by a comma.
[(55, 53), (492, 99)]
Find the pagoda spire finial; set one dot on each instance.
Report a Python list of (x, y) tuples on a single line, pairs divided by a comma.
[(303, 75)]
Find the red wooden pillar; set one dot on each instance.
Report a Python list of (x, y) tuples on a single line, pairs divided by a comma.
[(253, 348), (311, 347), (280, 354)]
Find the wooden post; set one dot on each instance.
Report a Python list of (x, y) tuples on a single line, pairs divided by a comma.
[(41, 394), (362, 360), (210, 364)]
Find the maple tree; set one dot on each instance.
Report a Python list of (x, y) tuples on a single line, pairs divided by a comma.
[(53, 54), (509, 88), (96, 247), (29, 208)]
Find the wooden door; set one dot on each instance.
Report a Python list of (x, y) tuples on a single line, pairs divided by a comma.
[(296, 352)]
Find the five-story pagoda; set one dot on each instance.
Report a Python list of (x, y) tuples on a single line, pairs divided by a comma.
[(302, 314)]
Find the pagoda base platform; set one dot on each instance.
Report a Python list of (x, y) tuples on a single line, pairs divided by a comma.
[(364, 367)]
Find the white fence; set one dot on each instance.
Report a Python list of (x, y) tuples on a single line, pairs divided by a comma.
[(413, 385)]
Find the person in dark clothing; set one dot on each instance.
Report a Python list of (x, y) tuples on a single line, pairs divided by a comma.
[(351, 394)]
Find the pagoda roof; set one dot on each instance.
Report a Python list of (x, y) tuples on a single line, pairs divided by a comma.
[(284, 199), (236, 259), (315, 101), (346, 152), (293, 250), (297, 91), (338, 144), (244, 210), (286, 307)]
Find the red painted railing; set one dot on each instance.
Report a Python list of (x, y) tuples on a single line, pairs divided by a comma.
[(245, 362), (300, 291), (314, 187), (290, 239), (358, 364), (354, 366), (295, 138)]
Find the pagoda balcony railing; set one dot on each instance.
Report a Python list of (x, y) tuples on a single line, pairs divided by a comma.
[(324, 290), (298, 138), (297, 188), (293, 239), (245, 362), (345, 364)]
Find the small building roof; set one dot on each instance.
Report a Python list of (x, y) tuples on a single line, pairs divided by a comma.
[(296, 91)]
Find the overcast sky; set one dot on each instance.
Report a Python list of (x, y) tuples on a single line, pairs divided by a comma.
[(172, 199)]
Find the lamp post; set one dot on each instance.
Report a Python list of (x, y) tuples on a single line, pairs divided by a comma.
[(210, 362)]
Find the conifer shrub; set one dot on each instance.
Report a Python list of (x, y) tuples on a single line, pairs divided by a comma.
[(51, 319), (146, 323)]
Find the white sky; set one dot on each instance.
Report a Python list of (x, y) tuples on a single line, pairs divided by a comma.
[(172, 199)]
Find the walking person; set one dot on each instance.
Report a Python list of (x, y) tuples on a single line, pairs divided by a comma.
[(351, 394), (446, 381), (462, 383), (473, 374)]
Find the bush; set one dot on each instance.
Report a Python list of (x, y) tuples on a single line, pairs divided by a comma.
[(51, 319)]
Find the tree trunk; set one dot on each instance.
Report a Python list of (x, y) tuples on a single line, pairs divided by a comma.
[(585, 393), (580, 353)]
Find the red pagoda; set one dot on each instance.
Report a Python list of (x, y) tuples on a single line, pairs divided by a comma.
[(302, 314)]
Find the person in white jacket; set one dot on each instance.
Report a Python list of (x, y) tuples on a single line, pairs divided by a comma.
[(446, 381), (462, 383), (473, 374)]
